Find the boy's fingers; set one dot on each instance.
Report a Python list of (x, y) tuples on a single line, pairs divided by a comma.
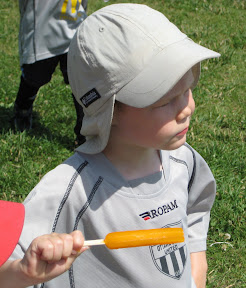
[(62, 246), (78, 239), (41, 247), (67, 245), (51, 255), (78, 242), (50, 249), (55, 247)]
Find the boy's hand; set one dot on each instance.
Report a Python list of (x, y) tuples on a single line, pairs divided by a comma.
[(49, 256)]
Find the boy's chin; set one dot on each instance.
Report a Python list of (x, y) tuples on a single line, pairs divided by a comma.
[(175, 144)]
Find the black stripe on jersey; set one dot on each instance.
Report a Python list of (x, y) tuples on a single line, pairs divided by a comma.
[(182, 254), (71, 277), (164, 265), (175, 263), (183, 162), (88, 202), (179, 161), (80, 214), (194, 166), (69, 188)]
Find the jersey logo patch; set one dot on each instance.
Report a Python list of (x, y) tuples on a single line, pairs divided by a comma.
[(170, 259), (90, 97), (146, 215), (159, 211)]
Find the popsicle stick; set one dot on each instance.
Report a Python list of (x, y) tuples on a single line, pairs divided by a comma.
[(94, 242)]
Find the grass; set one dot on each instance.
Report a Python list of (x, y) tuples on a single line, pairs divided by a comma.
[(218, 126)]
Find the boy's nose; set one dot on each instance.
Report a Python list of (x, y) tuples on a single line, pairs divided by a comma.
[(188, 107)]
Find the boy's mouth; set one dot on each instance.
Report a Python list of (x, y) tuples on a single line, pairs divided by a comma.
[(183, 132)]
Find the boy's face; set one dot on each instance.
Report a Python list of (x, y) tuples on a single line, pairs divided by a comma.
[(163, 125)]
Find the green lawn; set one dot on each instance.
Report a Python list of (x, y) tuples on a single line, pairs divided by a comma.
[(218, 126)]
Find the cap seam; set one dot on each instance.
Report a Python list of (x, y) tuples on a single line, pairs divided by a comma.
[(91, 61), (82, 40), (155, 40)]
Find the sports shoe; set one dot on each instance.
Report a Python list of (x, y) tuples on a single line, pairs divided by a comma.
[(22, 118)]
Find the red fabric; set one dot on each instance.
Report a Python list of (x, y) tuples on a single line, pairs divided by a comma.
[(12, 216)]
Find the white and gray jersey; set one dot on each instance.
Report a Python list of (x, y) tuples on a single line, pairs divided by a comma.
[(47, 27), (87, 193)]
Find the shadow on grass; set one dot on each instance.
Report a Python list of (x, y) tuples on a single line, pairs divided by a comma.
[(38, 130)]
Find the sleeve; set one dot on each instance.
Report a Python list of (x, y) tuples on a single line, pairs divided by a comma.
[(202, 190)]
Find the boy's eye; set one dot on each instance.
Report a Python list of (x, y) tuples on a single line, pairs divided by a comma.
[(165, 104), (162, 103)]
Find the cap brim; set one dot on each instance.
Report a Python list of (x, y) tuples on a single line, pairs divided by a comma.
[(12, 216), (155, 80)]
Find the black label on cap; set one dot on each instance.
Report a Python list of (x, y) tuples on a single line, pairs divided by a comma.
[(90, 97)]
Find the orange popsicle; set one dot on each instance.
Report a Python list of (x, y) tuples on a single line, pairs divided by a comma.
[(136, 238)]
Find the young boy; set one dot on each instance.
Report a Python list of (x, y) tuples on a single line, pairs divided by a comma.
[(133, 73)]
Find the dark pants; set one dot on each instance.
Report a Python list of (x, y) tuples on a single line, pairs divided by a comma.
[(38, 74)]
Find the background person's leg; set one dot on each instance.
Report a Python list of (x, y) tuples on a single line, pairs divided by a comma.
[(32, 78), (23, 105), (80, 139)]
